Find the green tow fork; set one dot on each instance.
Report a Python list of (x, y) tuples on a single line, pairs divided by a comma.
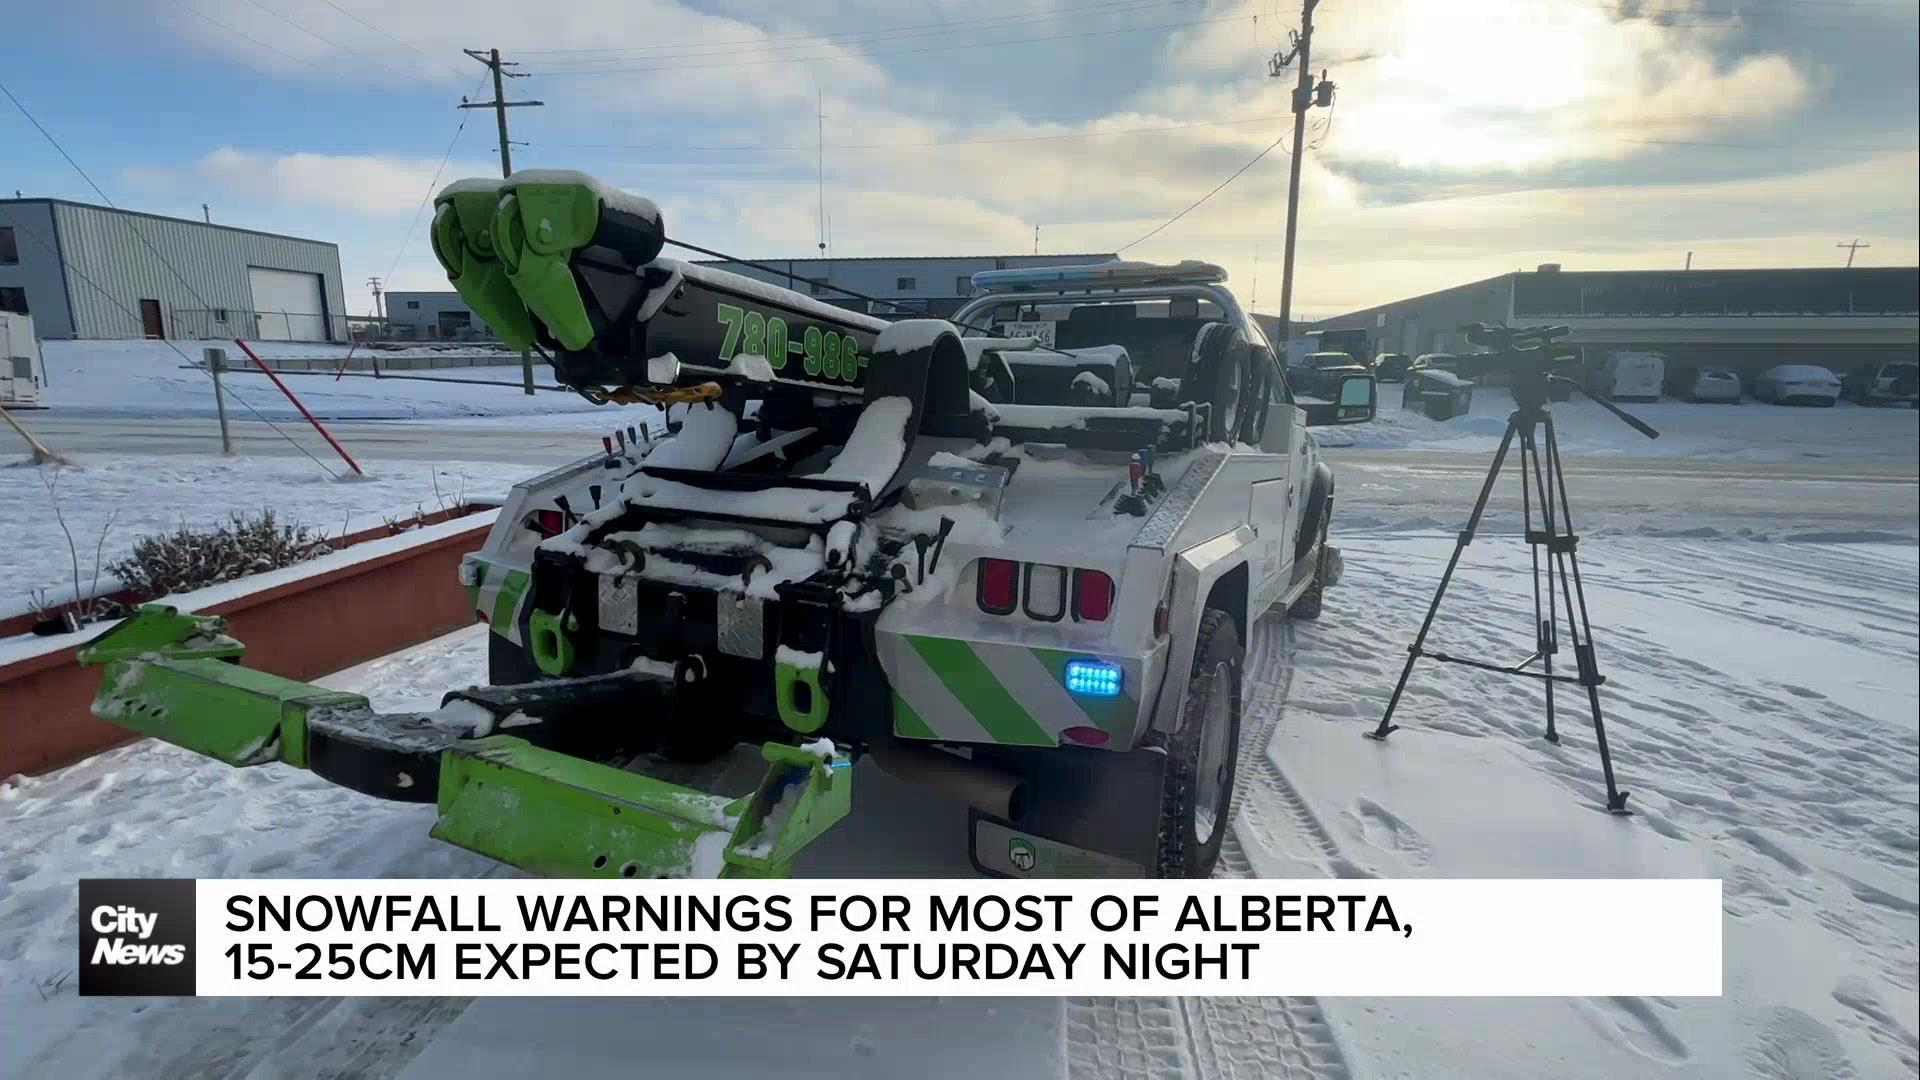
[(175, 677)]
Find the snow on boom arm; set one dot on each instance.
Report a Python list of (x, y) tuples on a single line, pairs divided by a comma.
[(557, 259)]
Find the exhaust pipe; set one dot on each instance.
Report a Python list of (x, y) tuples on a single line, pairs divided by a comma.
[(983, 787)]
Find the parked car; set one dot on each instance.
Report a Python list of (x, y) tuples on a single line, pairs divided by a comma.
[(1627, 375), (1438, 360), (1797, 384), (1704, 384), (1883, 384), (1321, 372), (1391, 367)]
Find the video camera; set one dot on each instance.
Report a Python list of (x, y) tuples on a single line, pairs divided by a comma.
[(1529, 345), (1528, 353)]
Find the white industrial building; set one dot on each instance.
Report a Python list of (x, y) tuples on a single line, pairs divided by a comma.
[(86, 271)]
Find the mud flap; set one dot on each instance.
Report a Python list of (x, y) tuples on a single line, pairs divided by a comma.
[(1087, 814)]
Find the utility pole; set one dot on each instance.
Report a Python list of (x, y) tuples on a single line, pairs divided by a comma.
[(378, 311), (1851, 249), (1305, 95), (1689, 260), (500, 105), (1036, 239)]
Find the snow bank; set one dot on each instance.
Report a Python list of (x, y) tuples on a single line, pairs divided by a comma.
[(150, 379), (108, 503)]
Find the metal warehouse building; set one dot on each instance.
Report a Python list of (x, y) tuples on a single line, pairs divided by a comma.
[(1747, 320), (95, 272), (901, 285)]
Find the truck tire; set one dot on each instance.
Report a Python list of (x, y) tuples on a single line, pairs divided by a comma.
[(1201, 758), (1307, 605), (1217, 374)]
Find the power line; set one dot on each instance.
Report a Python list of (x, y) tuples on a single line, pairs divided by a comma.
[(383, 33), (249, 37), (796, 147), (55, 143), (1216, 190), (328, 42), (433, 185), (773, 56), (853, 37)]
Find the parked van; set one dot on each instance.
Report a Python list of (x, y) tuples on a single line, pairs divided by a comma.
[(23, 375), (1627, 376)]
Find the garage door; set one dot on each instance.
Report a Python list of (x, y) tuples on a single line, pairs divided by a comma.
[(288, 306)]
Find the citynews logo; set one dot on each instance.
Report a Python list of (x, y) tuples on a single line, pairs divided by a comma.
[(136, 937)]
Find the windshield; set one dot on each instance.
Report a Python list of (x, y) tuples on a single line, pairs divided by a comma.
[(1158, 332)]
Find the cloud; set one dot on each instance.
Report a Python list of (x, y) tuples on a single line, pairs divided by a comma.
[(1468, 138), (367, 184), (1480, 86)]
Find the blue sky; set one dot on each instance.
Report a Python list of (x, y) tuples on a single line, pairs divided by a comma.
[(1468, 137)]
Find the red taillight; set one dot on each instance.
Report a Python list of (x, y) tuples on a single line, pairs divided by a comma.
[(1085, 736), (1092, 596), (998, 588), (548, 522)]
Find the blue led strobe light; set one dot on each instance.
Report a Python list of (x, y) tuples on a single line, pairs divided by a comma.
[(1093, 678)]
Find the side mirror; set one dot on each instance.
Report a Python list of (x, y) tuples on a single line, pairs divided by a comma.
[(1355, 403)]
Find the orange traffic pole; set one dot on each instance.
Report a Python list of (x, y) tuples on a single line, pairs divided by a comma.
[(324, 433)]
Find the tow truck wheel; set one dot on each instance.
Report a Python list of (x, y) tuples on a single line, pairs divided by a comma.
[(1307, 605), (1201, 757)]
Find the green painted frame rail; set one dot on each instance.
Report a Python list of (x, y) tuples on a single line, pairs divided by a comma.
[(177, 678)]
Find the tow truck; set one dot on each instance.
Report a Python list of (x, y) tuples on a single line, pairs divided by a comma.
[(1019, 575)]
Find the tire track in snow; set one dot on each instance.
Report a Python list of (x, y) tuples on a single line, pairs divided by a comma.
[(1235, 1038), (1249, 1037)]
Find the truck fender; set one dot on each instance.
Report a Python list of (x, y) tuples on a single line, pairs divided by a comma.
[(1195, 573), (1319, 498)]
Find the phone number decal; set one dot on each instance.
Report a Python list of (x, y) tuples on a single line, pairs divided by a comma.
[(824, 354)]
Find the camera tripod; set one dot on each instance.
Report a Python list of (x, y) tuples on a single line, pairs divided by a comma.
[(1543, 485)]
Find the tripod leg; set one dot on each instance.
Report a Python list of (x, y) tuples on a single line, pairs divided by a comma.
[(1543, 628), (1387, 726), (1581, 630)]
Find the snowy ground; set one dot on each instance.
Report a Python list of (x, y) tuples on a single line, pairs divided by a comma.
[(1747, 432), (109, 502), (1762, 703), (151, 379)]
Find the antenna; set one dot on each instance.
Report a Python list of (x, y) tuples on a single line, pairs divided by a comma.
[(820, 162)]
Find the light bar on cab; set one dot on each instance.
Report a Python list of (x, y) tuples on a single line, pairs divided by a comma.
[(1116, 274)]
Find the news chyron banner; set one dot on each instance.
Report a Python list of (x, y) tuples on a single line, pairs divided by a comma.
[(863, 937)]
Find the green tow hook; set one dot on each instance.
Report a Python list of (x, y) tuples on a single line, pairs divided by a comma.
[(547, 636), (463, 242), (536, 229), (802, 701)]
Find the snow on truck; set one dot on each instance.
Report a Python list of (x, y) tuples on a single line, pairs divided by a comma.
[(987, 564)]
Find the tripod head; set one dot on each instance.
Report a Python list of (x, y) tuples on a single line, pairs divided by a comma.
[(1530, 355)]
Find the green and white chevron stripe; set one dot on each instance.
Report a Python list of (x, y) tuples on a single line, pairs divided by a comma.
[(984, 692), (497, 592)]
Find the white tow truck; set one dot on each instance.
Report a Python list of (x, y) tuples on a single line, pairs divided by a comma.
[(1020, 574)]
